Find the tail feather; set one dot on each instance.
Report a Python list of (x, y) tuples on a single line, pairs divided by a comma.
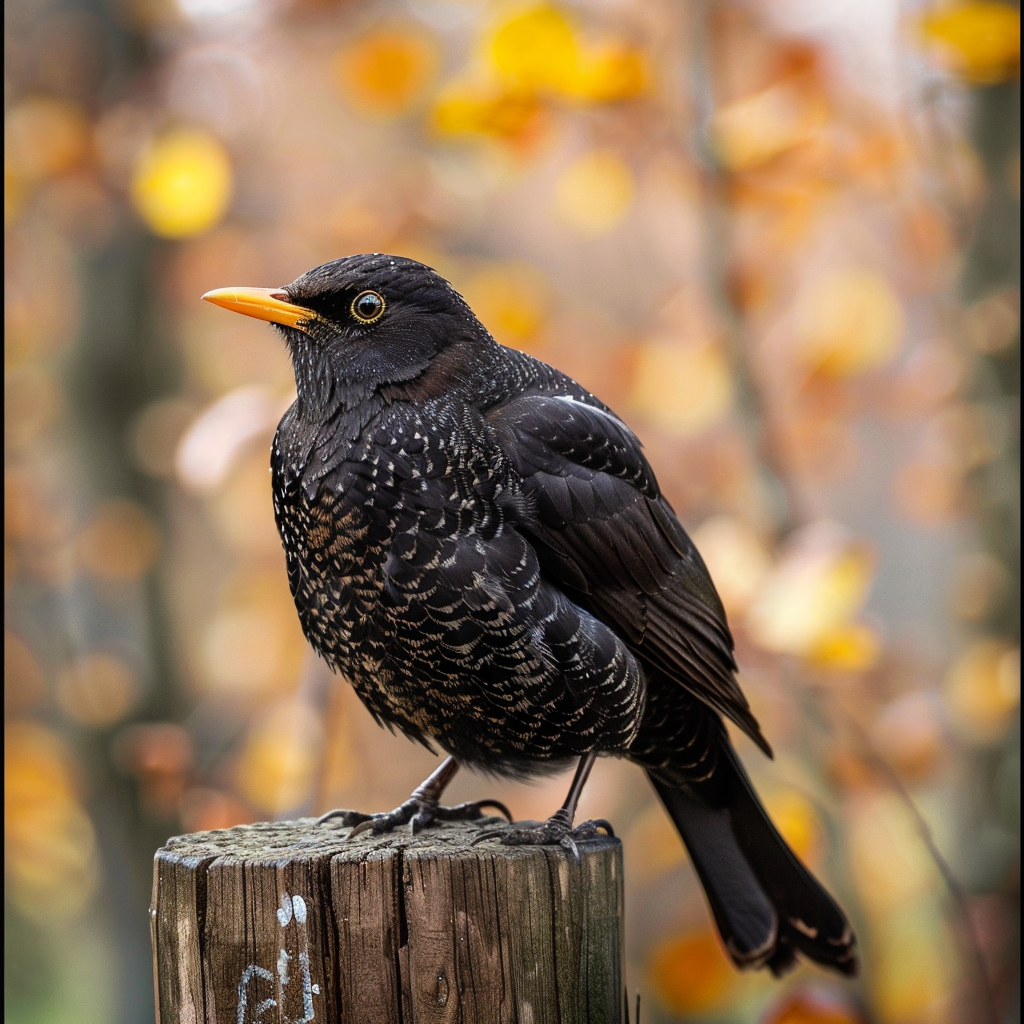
[(745, 915), (767, 905)]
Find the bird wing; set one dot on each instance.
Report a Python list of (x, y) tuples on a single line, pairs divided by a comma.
[(602, 529)]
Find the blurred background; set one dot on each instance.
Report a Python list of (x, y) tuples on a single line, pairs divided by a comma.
[(780, 237)]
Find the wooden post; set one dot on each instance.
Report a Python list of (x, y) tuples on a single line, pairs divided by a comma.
[(287, 923)]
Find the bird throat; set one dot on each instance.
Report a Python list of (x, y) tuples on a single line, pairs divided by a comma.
[(317, 392)]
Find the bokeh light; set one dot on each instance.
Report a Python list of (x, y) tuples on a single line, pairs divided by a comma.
[(594, 192), (780, 239), (49, 840), (691, 974), (979, 40), (182, 183), (386, 71)]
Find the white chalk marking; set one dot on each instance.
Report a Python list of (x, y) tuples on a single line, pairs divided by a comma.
[(284, 915), (292, 907), (252, 971)]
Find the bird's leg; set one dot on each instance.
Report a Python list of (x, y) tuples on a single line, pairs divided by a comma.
[(567, 812), (422, 807), (558, 829)]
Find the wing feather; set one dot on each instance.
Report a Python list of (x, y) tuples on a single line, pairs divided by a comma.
[(602, 528)]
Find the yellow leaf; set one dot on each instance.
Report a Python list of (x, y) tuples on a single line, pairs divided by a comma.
[(471, 107), (38, 773), (852, 647), (797, 820), (982, 689), (531, 55), (682, 388), (536, 50), (533, 49), (278, 765), (819, 583), (49, 840), (606, 74), (385, 72), (510, 300), (182, 183), (889, 860), (755, 129), (978, 41), (916, 966), (594, 193), (849, 322), (252, 645)]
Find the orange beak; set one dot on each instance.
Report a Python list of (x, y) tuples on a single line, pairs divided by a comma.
[(264, 304)]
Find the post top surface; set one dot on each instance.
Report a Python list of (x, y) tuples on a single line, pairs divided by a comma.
[(307, 839)]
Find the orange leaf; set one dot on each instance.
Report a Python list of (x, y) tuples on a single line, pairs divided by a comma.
[(384, 72), (691, 973)]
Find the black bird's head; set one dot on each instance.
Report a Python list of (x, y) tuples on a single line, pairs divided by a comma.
[(360, 322)]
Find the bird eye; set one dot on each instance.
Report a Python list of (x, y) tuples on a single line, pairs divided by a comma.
[(367, 307)]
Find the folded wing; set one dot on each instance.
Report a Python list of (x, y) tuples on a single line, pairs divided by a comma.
[(604, 532)]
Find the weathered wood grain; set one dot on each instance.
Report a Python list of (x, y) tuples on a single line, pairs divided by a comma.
[(289, 922)]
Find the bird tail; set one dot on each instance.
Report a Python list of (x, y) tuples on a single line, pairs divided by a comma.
[(767, 905)]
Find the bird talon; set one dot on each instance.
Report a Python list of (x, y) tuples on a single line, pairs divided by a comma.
[(498, 805), (470, 811), (348, 818), (556, 831), (364, 826), (569, 843), (418, 812), (420, 820), (481, 837)]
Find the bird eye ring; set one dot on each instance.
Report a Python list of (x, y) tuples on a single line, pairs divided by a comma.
[(367, 307)]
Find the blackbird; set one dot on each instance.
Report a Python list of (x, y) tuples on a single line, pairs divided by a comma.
[(481, 547)]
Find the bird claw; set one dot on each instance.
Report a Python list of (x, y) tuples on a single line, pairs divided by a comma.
[(369, 825), (417, 812), (481, 837), (346, 818), (472, 811), (556, 831)]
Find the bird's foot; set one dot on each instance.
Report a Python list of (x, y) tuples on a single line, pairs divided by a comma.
[(558, 830), (417, 811)]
